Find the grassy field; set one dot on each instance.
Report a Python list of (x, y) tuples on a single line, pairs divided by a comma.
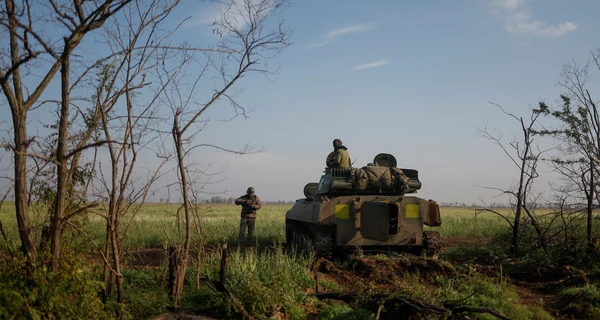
[(221, 222), (156, 224)]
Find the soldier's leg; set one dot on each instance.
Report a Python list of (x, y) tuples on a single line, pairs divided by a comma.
[(242, 230), (250, 229)]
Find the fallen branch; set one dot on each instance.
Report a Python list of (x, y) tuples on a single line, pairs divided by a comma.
[(221, 285), (377, 301), (491, 311)]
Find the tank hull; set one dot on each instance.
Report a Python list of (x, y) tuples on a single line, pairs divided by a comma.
[(374, 222)]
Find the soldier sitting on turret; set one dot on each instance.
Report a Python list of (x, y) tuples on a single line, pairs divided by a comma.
[(339, 157)]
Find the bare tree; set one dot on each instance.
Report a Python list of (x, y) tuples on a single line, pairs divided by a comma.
[(579, 132), (525, 157), (249, 38)]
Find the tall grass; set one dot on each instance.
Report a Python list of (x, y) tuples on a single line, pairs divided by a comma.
[(156, 225), (465, 222)]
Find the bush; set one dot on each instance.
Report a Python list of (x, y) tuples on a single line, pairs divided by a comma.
[(145, 292), (344, 312), (477, 290), (265, 283), (70, 294), (582, 302)]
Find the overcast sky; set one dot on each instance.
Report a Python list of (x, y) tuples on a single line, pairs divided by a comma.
[(410, 78)]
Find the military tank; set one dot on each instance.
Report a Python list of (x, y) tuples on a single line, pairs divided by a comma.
[(370, 208)]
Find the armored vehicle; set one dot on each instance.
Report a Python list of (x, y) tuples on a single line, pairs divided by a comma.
[(368, 208)]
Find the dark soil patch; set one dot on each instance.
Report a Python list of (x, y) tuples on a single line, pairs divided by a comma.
[(465, 242), (148, 257), (380, 270), (382, 273)]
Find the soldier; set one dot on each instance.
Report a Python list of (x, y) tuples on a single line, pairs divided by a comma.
[(250, 202), (339, 157)]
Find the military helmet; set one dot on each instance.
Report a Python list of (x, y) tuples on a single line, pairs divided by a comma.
[(250, 190), (337, 143)]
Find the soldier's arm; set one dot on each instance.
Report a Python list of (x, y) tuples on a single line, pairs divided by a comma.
[(240, 200), (257, 205)]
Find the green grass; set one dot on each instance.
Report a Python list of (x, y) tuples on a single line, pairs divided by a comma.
[(220, 223), (464, 222), (156, 225)]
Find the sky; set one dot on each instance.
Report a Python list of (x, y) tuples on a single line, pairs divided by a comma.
[(411, 78)]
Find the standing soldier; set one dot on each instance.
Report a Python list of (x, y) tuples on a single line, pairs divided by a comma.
[(339, 157), (250, 202)]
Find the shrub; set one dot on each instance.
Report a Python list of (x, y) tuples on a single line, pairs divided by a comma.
[(582, 302), (71, 293)]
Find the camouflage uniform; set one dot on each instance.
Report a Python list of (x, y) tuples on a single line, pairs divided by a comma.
[(250, 203), (339, 157)]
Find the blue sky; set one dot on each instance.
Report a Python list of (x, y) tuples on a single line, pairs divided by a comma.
[(410, 78)]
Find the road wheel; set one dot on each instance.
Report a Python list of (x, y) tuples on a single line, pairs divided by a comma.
[(297, 243), (432, 243), (307, 247), (323, 244), (289, 238)]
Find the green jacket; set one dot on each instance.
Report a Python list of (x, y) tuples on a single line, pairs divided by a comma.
[(339, 158)]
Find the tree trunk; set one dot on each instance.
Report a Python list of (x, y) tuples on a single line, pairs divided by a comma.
[(19, 116), (108, 274), (180, 256), (22, 208), (516, 225), (519, 208), (590, 205), (61, 164), (177, 268), (117, 259)]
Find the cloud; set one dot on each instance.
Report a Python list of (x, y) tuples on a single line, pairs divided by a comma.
[(522, 23), (207, 15), (320, 44), (518, 20), (375, 64), (333, 34), (506, 4), (235, 14), (352, 29)]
